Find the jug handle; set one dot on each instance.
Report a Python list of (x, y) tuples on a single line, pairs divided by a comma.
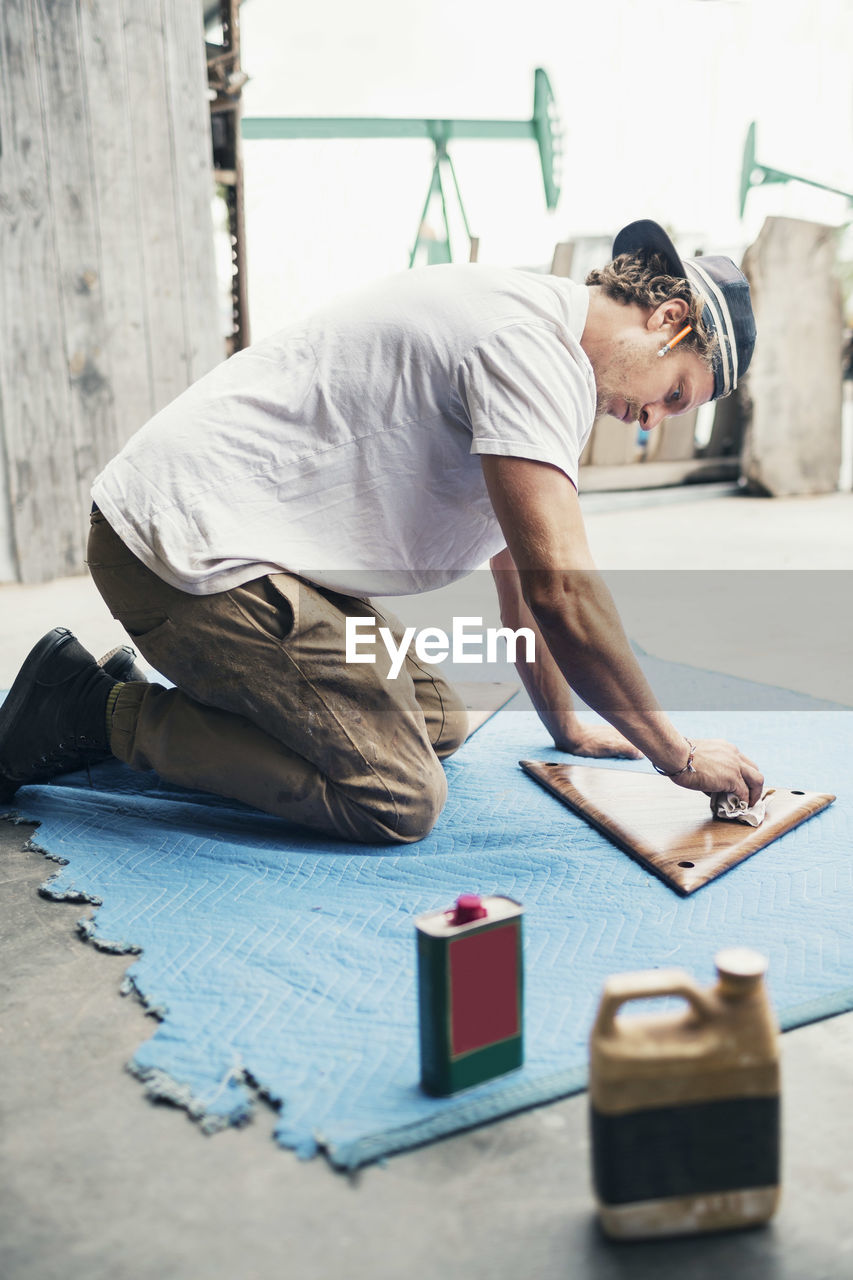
[(648, 984)]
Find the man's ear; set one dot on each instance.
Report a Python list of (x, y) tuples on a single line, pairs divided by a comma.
[(673, 313)]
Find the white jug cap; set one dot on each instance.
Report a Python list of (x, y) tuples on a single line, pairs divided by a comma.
[(740, 963)]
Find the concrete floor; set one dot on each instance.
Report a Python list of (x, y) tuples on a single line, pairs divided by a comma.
[(96, 1182)]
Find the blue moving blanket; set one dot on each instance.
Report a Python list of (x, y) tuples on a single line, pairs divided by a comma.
[(286, 963)]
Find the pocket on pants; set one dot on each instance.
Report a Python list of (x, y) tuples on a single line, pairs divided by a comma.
[(146, 626), (287, 588), (270, 605)]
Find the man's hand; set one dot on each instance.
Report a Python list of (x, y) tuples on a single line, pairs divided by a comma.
[(720, 767), (599, 742)]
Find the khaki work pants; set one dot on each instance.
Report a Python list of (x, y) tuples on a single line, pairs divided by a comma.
[(267, 711)]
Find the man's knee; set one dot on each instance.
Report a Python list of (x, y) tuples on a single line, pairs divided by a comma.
[(410, 812), (418, 810)]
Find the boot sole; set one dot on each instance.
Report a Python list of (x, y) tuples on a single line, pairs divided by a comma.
[(120, 663)]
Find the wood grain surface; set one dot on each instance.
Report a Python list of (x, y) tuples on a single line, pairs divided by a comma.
[(483, 698), (110, 304), (670, 830)]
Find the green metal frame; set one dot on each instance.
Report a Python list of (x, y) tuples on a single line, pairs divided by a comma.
[(544, 128), (753, 174)]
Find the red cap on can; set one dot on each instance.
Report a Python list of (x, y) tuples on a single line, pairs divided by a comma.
[(469, 906)]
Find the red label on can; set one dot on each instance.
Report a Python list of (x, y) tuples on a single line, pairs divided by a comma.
[(483, 977)]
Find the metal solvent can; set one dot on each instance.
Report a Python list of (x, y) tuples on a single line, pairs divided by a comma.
[(470, 992), (684, 1105)]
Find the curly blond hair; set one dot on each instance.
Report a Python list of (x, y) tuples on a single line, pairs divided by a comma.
[(643, 279)]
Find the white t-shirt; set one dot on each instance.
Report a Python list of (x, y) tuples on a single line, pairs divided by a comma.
[(344, 448)]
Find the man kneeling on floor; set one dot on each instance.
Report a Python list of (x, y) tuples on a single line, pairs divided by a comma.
[(390, 444)]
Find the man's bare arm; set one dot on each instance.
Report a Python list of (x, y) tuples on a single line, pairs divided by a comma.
[(540, 516), (547, 686)]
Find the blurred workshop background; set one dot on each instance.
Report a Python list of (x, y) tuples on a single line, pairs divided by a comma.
[(177, 179)]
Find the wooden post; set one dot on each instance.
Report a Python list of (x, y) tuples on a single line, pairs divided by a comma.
[(36, 391), (189, 118), (561, 263), (792, 391), (125, 299), (70, 192), (108, 308)]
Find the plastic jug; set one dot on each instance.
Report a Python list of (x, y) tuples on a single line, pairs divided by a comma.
[(684, 1106)]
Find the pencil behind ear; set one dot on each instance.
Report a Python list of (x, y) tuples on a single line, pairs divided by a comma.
[(688, 328)]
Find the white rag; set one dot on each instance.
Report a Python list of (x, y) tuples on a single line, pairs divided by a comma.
[(728, 806)]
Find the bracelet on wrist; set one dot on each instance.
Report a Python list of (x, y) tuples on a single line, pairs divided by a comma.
[(687, 768)]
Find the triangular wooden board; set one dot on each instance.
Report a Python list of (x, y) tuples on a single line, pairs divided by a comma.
[(483, 698), (666, 828)]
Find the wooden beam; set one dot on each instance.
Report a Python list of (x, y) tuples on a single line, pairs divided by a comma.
[(36, 395), (189, 116)]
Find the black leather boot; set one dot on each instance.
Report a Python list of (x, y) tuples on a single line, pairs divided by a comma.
[(120, 664), (54, 716)]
